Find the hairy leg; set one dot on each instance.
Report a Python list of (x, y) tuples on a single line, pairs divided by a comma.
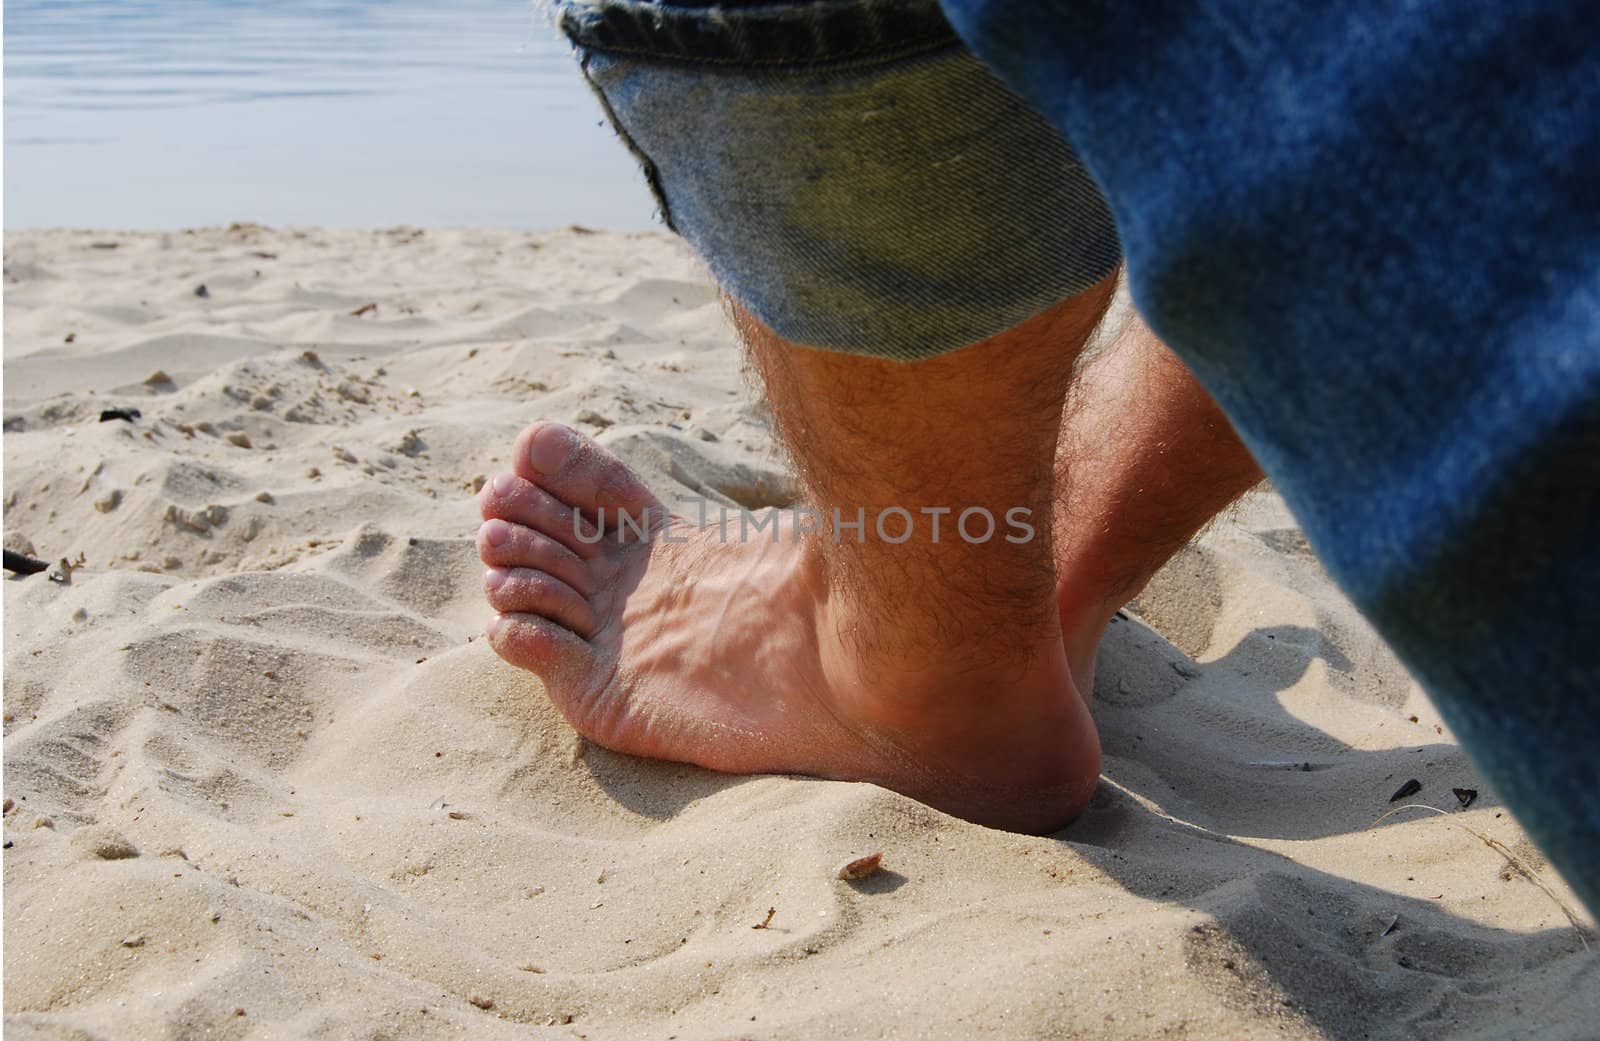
[(1144, 461), (933, 666)]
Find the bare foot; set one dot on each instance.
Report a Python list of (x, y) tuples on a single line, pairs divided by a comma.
[(747, 657)]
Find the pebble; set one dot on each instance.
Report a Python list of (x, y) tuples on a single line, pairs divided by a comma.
[(199, 523), (103, 843)]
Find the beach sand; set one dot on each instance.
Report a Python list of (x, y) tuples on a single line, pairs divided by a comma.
[(264, 778)]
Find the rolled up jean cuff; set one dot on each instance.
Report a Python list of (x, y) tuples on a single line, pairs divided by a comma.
[(850, 173)]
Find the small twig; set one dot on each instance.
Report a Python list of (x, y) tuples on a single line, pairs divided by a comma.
[(766, 923), (1302, 765), (1501, 848), (62, 572)]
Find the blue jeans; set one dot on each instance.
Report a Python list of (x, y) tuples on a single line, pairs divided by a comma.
[(822, 159), (1371, 230)]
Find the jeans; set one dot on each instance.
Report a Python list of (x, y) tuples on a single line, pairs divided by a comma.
[(1371, 230), (822, 159)]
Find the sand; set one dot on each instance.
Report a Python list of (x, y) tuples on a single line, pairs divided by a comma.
[(264, 779)]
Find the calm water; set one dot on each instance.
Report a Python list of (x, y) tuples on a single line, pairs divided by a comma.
[(362, 113)]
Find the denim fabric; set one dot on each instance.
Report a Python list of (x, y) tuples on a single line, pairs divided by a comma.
[(753, 33), (851, 174), (1373, 231)]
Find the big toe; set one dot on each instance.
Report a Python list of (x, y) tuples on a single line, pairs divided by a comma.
[(578, 470), (580, 473)]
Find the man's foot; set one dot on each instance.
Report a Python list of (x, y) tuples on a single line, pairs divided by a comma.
[(751, 656)]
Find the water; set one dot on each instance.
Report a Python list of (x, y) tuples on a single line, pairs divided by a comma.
[(361, 113)]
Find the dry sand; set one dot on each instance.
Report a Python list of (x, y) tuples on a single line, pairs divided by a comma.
[(262, 781)]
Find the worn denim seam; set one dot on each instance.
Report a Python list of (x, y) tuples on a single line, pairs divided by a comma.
[(797, 32), (850, 60), (652, 175)]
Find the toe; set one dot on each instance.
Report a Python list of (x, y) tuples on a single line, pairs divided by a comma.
[(505, 544), (580, 473), (514, 500), (532, 592), (540, 645)]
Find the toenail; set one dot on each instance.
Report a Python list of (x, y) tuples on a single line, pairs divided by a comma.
[(503, 484), (494, 578), (550, 448), (493, 628), (496, 532)]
